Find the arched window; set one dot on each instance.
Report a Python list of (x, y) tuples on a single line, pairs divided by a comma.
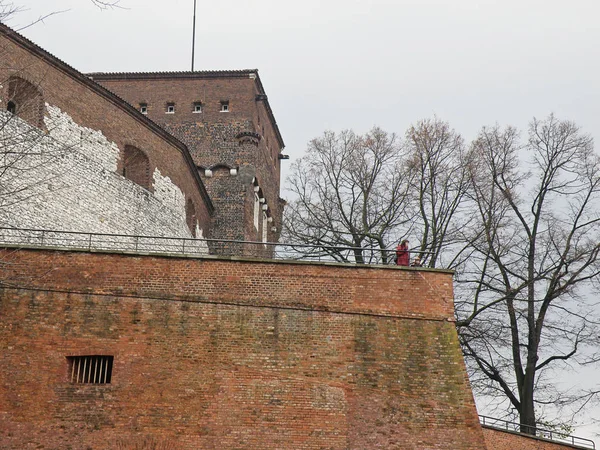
[(190, 216), (136, 166), (26, 101)]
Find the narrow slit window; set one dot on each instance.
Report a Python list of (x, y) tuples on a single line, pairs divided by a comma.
[(90, 369), (265, 224), (256, 210)]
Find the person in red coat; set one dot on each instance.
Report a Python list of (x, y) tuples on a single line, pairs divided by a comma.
[(402, 255)]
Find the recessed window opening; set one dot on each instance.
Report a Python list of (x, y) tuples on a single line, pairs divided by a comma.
[(90, 369), (144, 108), (225, 106), (197, 107), (170, 108), (136, 166), (27, 101), (190, 217)]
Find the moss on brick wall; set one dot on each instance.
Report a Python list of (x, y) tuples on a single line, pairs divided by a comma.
[(231, 354)]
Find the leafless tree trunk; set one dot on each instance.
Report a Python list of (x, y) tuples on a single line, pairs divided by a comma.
[(523, 296)]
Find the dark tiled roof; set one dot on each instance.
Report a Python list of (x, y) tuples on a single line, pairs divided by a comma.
[(244, 73), (25, 43)]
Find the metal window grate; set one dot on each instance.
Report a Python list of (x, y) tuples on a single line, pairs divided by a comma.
[(92, 369)]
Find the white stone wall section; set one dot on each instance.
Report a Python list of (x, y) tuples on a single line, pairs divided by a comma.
[(66, 179)]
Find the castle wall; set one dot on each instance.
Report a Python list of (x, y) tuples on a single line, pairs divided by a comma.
[(254, 355), (73, 165), (505, 440), (67, 179)]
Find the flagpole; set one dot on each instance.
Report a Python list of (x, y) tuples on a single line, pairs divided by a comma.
[(194, 36)]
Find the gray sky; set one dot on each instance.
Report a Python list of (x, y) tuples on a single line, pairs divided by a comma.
[(334, 64)]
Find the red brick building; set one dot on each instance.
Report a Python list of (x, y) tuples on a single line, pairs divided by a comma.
[(225, 119)]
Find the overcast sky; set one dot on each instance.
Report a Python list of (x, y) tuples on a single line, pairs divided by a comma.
[(333, 64)]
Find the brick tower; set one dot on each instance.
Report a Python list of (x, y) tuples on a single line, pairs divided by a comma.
[(225, 119)]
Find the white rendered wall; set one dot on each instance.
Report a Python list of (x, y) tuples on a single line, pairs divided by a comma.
[(66, 179)]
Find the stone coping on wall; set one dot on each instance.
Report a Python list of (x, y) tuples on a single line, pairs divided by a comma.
[(554, 443), (230, 258), (394, 292)]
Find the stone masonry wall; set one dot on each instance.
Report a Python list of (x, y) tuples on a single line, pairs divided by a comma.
[(66, 179), (97, 128), (249, 355)]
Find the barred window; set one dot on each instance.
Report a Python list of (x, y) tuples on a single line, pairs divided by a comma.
[(92, 369)]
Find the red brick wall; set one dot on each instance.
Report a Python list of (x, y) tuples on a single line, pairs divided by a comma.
[(213, 353), (504, 440), (89, 109)]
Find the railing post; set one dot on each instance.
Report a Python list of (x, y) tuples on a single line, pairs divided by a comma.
[(183, 246), (89, 242), (43, 233), (137, 238)]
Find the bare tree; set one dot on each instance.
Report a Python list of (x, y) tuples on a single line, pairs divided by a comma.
[(519, 221), (107, 4), (351, 191), (30, 149), (523, 303), (9, 9), (26, 145), (439, 183)]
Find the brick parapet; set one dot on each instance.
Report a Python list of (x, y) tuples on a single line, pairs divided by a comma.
[(497, 439), (393, 291)]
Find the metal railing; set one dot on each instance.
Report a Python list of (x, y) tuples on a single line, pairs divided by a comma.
[(556, 436), (38, 238)]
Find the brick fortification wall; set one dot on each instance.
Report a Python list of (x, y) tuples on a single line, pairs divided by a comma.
[(253, 355), (504, 440), (71, 161)]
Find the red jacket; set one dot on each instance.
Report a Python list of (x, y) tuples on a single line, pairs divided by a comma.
[(402, 255)]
